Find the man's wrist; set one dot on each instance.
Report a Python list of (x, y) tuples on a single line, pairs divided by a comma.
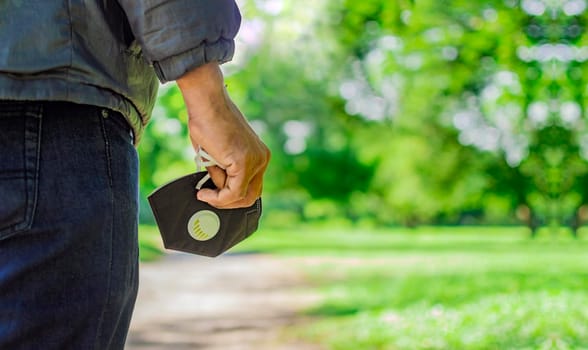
[(203, 87)]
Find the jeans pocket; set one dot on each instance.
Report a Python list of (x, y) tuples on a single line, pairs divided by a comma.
[(19, 158)]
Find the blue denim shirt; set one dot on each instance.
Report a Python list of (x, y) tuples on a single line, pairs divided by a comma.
[(109, 53)]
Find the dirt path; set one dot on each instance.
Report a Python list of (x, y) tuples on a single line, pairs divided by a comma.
[(235, 302)]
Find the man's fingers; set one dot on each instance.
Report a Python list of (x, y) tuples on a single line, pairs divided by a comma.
[(218, 176), (223, 198), (234, 190), (253, 193)]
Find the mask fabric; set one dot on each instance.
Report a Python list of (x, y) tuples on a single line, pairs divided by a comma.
[(189, 225)]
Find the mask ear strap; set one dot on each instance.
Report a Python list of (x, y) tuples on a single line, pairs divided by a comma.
[(204, 160)]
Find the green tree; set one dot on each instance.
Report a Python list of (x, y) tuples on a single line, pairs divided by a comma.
[(407, 112), (507, 76)]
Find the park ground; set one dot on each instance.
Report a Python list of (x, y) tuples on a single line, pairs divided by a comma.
[(360, 288), (235, 302)]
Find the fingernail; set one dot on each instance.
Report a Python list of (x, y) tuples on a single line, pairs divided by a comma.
[(201, 197)]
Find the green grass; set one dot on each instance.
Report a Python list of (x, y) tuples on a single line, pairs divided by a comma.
[(150, 245), (440, 288)]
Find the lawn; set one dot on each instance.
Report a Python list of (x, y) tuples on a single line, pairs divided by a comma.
[(440, 288), (150, 244)]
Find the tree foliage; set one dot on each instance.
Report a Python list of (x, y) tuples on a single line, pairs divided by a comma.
[(408, 112)]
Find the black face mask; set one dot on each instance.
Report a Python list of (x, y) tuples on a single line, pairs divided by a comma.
[(189, 225)]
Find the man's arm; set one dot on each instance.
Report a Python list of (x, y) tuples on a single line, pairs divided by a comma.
[(217, 125), (186, 40)]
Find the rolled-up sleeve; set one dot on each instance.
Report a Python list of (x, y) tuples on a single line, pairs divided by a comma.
[(179, 35)]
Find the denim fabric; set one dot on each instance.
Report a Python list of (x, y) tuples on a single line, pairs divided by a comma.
[(68, 227)]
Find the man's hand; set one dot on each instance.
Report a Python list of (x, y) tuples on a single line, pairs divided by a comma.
[(217, 125)]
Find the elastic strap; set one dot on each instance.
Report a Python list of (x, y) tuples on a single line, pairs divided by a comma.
[(204, 160)]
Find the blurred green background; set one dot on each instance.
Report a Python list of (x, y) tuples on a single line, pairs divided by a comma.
[(405, 112), (438, 136)]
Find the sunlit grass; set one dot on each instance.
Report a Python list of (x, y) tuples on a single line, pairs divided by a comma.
[(150, 245), (440, 288), (433, 288), (528, 320)]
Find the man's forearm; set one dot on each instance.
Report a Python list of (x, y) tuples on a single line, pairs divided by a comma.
[(203, 86), (217, 125)]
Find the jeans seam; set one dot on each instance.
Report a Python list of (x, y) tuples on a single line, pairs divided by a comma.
[(108, 158), (35, 193), (107, 150)]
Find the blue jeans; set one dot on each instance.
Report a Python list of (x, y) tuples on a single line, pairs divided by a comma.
[(68, 227)]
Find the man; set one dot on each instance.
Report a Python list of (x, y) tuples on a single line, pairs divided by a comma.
[(77, 85)]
